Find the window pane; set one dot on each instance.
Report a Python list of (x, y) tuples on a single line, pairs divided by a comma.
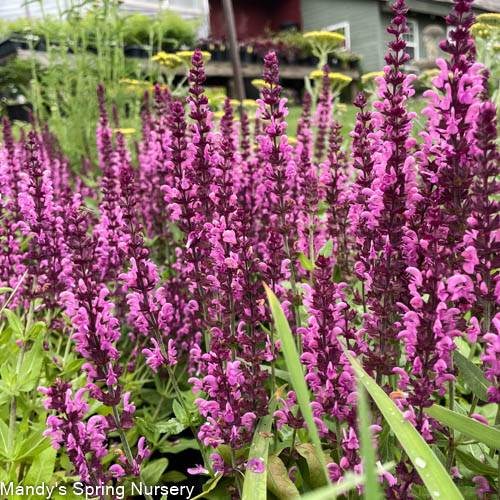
[(410, 36), (186, 4)]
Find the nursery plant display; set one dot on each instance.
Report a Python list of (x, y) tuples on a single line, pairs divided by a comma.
[(297, 318)]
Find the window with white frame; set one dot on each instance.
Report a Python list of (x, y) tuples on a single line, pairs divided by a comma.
[(411, 39), (343, 29)]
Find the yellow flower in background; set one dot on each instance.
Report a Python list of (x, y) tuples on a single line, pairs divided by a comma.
[(489, 19), (337, 80), (367, 77), (163, 87), (250, 104), (130, 81), (339, 77), (316, 74), (333, 77), (258, 83), (323, 43), (218, 114), (221, 99), (186, 55), (292, 140), (134, 86), (126, 132), (341, 107), (324, 37), (482, 30), (167, 60)]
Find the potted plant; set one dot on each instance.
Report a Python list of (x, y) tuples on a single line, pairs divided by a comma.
[(137, 35), (247, 53)]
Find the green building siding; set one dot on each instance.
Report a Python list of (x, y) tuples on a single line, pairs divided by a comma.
[(422, 22), (363, 17), (368, 20)]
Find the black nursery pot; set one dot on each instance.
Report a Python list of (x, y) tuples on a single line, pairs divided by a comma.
[(135, 51), (247, 57), (219, 55), (19, 112), (333, 62), (41, 45), (11, 44), (312, 61), (20, 40)]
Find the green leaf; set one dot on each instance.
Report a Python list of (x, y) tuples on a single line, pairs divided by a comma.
[(39, 328), (169, 427), (5, 289), (316, 477), (179, 412), (305, 262), (34, 444), (42, 468), (178, 446), (255, 484), (4, 439), (9, 379), (15, 323), (173, 476), (208, 487), (152, 473), (337, 274), (349, 482), (327, 249), (466, 425), (437, 481), (31, 366), (372, 489), (279, 484), (281, 374), (475, 465), (295, 370), (472, 375)]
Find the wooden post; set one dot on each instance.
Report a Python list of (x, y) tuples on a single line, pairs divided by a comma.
[(233, 47)]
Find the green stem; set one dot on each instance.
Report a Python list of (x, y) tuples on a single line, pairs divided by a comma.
[(451, 405), (123, 437), (237, 477), (180, 397)]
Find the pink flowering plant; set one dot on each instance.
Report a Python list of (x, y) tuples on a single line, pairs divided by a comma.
[(208, 309)]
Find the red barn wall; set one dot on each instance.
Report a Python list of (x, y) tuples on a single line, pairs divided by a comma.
[(252, 17)]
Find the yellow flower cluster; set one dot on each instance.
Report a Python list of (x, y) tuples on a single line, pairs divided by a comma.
[(258, 83), (489, 19), (480, 30), (124, 131), (430, 73), (250, 104), (186, 55), (220, 99), (131, 81), (333, 77), (338, 80), (367, 77), (132, 85), (168, 60), (324, 37)]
